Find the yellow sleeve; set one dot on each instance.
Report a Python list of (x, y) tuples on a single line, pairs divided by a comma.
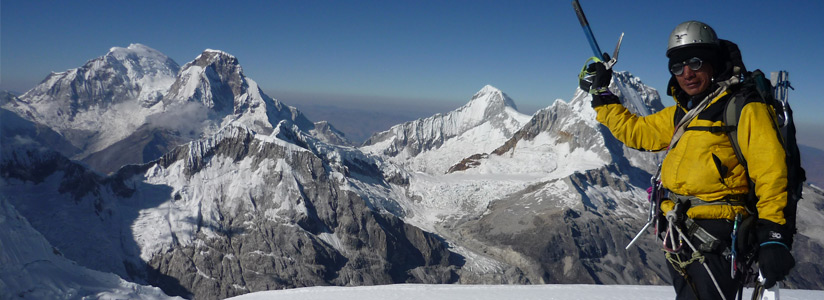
[(650, 133), (761, 146)]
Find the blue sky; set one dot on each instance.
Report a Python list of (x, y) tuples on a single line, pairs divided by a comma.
[(409, 52)]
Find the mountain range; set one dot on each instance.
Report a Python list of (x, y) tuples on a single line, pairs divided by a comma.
[(192, 180)]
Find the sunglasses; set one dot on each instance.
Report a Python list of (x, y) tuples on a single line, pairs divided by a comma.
[(694, 64)]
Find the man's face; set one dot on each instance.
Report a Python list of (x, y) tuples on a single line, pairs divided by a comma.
[(695, 82)]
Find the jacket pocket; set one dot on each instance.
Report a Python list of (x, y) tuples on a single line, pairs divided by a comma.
[(722, 169)]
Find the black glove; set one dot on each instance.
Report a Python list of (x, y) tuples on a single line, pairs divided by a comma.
[(596, 82), (774, 257), (597, 79)]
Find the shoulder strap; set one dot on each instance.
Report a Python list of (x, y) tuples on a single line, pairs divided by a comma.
[(754, 84), (732, 114)]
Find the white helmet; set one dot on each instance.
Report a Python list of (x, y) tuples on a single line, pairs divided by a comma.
[(691, 33)]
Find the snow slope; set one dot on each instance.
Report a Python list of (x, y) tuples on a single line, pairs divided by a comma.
[(492, 292)]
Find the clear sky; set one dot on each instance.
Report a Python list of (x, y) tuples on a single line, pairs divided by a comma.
[(412, 51)]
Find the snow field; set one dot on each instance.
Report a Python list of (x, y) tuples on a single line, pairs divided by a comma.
[(493, 292)]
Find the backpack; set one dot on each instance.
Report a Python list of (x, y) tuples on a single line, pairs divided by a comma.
[(756, 83)]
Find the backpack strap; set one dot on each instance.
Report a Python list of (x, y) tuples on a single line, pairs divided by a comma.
[(732, 114), (731, 117)]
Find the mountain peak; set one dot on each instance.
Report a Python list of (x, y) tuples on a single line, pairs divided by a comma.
[(214, 78), (138, 50), (488, 89), (492, 97), (432, 144), (216, 57), (133, 75), (218, 52)]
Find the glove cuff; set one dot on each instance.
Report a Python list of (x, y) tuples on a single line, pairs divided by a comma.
[(604, 99), (775, 243), (770, 233)]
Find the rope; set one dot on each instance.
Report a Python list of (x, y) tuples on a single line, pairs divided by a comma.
[(671, 220), (681, 266)]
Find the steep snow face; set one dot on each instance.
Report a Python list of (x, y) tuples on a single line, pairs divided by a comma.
[(556, 142), (31, 268), (205, 184), (214, 78), (232, 173), (433, 144)]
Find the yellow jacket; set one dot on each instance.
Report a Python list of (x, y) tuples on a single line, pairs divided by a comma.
[(703, 163)]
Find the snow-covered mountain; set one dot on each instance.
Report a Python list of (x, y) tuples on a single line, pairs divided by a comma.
[(226, 215), (102, 101), (503, 208), (133, 74), (215, 80), (433, 144), (13, 126), (139, 96)]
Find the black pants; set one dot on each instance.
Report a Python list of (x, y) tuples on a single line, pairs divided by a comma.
[(697, 275)]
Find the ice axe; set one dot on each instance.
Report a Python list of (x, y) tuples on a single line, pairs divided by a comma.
[(591, 38)]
